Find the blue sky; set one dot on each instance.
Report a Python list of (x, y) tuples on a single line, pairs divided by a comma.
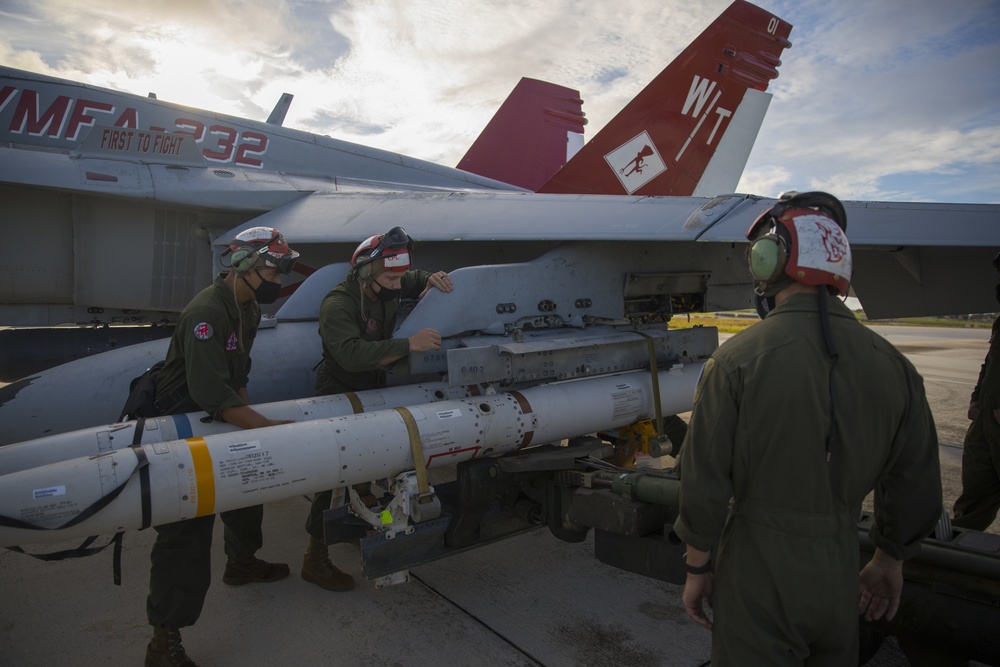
[(893, 99)]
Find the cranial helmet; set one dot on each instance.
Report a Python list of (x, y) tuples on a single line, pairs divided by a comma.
[(801, 238), (383, 252), (258, 245)]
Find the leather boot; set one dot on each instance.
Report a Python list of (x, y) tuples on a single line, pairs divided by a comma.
[(253, 570), (165, 649), (317, 569)]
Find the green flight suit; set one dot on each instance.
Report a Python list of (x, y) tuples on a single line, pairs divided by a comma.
[(757, 490), (207, 363), (977, 506), (355, 337)]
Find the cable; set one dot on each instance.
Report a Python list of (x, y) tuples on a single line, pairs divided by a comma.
[(831, 350)]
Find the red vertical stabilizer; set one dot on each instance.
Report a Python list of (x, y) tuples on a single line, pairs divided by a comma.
[(663, 140), (528, 139)]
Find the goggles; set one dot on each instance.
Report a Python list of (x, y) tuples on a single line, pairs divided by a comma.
[(284, 262), (394, 239), (394, 249)]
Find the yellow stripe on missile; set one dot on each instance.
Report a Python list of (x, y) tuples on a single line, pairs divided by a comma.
[(203, 475)]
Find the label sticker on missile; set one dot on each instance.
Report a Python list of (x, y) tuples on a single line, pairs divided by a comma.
[(449, 414), (244, 447), (626, 404), (50, 492)]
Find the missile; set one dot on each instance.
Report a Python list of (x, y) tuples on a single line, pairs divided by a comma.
[(40, 405), (149, 484), (102, 439)]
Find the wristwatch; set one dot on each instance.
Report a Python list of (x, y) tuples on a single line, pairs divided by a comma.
[(701, 569)]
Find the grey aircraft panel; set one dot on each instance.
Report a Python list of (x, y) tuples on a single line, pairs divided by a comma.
[(916, 280), (238, 190), (325, 217)]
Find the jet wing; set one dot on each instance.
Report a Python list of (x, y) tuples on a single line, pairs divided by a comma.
[(326, 217), (911, 259)]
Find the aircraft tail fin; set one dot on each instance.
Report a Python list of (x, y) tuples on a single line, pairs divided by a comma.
[(277, 116), (532, 135), (705, 107)]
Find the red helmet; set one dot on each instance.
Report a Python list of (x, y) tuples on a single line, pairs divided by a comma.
[(394, 249), (801, 238), (261, 244)]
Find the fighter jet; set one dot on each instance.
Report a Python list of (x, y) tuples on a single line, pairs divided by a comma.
[(557, 328), (600, 243), (85, 169)]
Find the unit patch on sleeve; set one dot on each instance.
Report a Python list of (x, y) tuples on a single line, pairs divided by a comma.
[(203, 331), (232, 342)]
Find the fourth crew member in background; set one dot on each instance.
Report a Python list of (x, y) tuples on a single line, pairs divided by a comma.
[(795, 421), (977, 507), (356, 322)]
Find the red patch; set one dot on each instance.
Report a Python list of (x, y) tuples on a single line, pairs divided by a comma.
[(372, 325)]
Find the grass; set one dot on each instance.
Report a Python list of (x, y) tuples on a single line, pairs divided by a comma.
[(724, 324), (736, 322)]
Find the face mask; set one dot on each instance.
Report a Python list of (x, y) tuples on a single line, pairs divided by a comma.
[(268, 292), (763, 304), (386, 294)]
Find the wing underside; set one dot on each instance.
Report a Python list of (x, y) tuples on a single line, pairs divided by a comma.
[(911, 259)]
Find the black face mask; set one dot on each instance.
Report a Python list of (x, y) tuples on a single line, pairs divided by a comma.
[(268, 292), (386, 294), (763, 304)]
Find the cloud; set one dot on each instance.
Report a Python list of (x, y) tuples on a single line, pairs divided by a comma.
[(868, 95)]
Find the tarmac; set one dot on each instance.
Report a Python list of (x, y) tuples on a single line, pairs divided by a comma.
[(528, 600)]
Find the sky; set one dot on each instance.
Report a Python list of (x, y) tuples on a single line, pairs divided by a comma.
[(894, 100)]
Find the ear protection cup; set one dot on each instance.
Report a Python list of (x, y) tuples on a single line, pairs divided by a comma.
[(768, 257), (364, 271), (243, 260)]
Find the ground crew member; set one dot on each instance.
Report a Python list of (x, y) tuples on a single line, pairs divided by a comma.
[(977, 506), (356, 322), (207, 367), (795, 420)]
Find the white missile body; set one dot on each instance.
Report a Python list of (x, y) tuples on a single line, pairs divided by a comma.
[(102, 439), (217, 472)]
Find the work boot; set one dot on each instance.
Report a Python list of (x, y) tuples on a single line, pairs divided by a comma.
[(253, 570), (317, 569), (165, 649)]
